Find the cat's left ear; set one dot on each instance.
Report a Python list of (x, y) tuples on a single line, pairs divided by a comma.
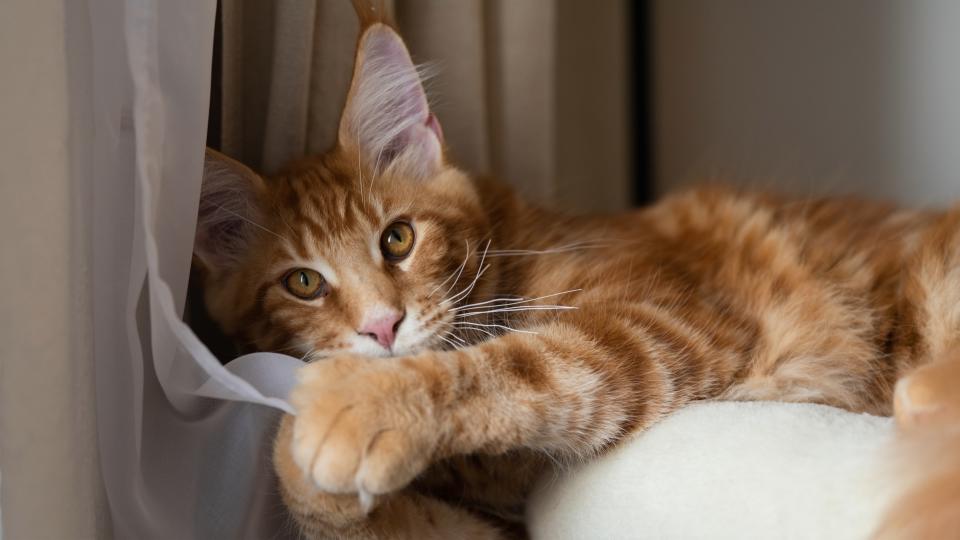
[(387, 118), (230, 208)]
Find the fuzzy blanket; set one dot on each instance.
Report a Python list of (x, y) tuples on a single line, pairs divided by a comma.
[(728, 470)]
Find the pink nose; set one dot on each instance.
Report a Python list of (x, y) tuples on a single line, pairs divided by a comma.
[(383, 328)]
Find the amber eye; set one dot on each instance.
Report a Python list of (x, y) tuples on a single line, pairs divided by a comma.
[(305, 283), (396, 241)]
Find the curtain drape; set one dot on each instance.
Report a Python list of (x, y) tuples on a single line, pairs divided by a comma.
[(51, 484), (533, 92)]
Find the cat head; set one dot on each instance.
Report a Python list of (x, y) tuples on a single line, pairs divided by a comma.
[(364, 249)]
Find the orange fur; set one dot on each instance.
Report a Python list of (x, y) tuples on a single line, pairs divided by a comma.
[(928, 414), (708, 294)]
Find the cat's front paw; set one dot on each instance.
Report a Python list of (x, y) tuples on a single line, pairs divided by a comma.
[(363, 425), (928, 395)]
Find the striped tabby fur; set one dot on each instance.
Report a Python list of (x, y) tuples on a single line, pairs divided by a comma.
[(709, 294)]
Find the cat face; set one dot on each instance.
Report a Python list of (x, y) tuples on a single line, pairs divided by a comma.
[(365, 249)]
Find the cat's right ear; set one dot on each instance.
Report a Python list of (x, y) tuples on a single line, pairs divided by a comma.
[(229, 211), (387, 119)]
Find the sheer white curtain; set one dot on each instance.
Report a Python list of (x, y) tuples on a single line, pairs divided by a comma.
[(111, 245), (176, 465)]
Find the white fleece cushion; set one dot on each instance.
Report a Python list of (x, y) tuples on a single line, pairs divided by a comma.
[(728, 470)]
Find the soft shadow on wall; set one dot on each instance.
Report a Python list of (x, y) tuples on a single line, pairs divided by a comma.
[(817, 97)]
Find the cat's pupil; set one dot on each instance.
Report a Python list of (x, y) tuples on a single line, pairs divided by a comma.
[(304, 279), (394, 236)]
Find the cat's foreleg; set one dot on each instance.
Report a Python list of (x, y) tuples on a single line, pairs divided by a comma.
[(370, 426), (402, 514)]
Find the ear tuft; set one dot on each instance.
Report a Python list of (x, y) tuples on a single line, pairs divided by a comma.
[(387, 117), (229, 210)]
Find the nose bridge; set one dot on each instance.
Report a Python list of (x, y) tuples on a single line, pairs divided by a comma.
[(370, 290), (376, 307)]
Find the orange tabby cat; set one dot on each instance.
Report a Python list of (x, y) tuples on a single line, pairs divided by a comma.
[(459, 340)]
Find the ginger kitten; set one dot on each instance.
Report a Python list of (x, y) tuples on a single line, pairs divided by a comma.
[(458, 339)]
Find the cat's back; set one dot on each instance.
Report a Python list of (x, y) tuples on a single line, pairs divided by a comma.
[(715, 240), (840, 239)]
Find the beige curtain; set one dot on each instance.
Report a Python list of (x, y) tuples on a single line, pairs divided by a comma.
[(51, 485), (534, 92)]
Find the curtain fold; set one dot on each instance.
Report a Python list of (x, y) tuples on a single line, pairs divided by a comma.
[(184, 441)]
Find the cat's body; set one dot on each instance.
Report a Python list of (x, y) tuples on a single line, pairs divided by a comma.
[(708, 294)]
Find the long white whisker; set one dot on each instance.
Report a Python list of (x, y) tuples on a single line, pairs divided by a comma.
[(559, 249), (459, 328), (376, 168), (360, 169), (254, 223), (480, 326), (452, 334), (513, 309), (283, 350), (459, 270), (458, 339), (475, 328), (452, 344), (466, 291), (310, 356), (279, 214), (509, 299), (513, 302)]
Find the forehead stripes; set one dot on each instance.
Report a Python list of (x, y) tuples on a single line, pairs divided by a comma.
[(326, 206)]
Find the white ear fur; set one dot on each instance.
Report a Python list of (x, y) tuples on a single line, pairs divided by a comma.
[(387, 117), (228, 210)]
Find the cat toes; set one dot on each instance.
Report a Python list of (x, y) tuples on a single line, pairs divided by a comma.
[(363, 433), (336, 452), (393, 459), (928, 395), (913, 402)]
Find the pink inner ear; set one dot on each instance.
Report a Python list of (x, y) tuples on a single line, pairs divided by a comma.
[(434, 126), (387, 110), (386, 57), (382, 44)]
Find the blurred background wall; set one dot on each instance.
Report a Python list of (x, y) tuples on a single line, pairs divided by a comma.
[(818, 96), (599, 105), (536, 92)]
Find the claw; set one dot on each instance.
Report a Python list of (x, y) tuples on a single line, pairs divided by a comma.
[(365, 498)]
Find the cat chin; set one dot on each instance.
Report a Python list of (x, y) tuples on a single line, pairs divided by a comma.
[(415, 342), (375, 351), (407, 350), (380, 352)]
